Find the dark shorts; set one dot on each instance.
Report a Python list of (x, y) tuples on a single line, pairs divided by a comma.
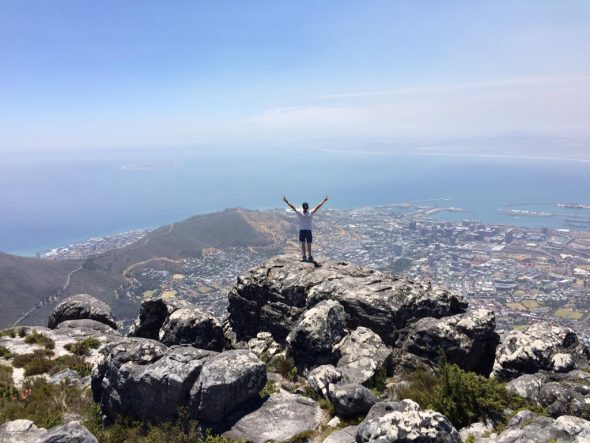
[(305, 235)]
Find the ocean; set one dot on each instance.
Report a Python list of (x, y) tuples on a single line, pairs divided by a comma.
[(49, 200)]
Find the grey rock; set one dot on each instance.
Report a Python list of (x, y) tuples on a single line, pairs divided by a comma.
[(312, 340), (351, 399), (528, 386), (528, 427), (363, 355), (20, 431), (540, 347), (405, 421), (320, 378), (152, 315), (80, 307), (476, 430), (264, 346), (468, 340), (88, 325), (225, 383), (69, 377), (192, 326), (273, 296), (344, 435), (69, 433), (279, 418)]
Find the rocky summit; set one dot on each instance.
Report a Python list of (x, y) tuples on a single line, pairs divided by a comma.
[(327, 352)]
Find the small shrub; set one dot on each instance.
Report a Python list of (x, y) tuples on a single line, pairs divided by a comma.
[(379, 382), (7, 389), (463, 397), (39, 362), (22, 332), (269, 389), (470, 439), (8, 333), (40, 339), (4, 352), (82, 347), (302, 437), (328, 406), (284, 366)]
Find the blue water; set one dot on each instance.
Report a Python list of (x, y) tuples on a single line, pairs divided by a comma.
[(51, 200)]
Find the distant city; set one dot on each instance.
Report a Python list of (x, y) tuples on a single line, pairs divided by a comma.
[(523, 274)]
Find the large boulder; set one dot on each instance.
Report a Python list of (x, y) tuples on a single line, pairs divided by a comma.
[(312, 340), (80, 307), (345, 435), (528, 427), (87, 325), (20, 431), (280, 418), (192, 326), (468, 340), (560, 394), (539, 347), (405, 421), (363, 356), (25, 431), (322, 377), (226, 382), (351, 399), (152, 315), (273, 296)]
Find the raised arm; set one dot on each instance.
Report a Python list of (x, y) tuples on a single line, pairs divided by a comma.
[(289, 204), (320, 205)]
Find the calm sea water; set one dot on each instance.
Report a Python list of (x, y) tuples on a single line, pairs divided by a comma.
[(52, 200)]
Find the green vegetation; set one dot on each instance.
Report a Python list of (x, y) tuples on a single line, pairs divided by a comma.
[(284, 366), (4, 352), (82, 347), (8, 333), (22, 332), (569, 313), (269, 389), (39, 362), (463, 397), (40, 339), (328, 406), (302, 437), (470, 439)]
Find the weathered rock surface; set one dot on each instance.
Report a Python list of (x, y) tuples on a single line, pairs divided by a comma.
[(405, 421), (69, 433), (540, 347), (351, 399), (273, 296), (559, 394), (264, 346), (279, 418), (320, 378), (194, 327), (20, 431), (69, 377), (226, 382), (345, 435), (88, 326), (80, 307), (25, 431), (468, 340), (528, 427), (152, 315), (363, 355), (312, 340)]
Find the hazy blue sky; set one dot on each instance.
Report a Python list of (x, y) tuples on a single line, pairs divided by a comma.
[(103, 74)]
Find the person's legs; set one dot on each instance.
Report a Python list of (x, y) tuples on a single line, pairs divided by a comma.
[(309, 250), (303, 249)]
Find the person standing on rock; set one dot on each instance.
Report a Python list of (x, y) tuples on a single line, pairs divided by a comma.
[(305, 225)]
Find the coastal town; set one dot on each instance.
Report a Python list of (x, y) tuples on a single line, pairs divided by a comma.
[(523, 274)]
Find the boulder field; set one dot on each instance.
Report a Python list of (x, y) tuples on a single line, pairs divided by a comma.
[(298, 337)]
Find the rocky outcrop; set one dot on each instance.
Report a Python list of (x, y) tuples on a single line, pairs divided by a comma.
[(80, 307), (279, 418), (312, 340), (226, 382), (468, 340), (264, 346), (192, 326), (351, 399), (405, 421), (559, 394), (539, 347), (25, 431), (89, 326), (320, 378), (177, 322), (528, 427), (362, 356), (273, 296)]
